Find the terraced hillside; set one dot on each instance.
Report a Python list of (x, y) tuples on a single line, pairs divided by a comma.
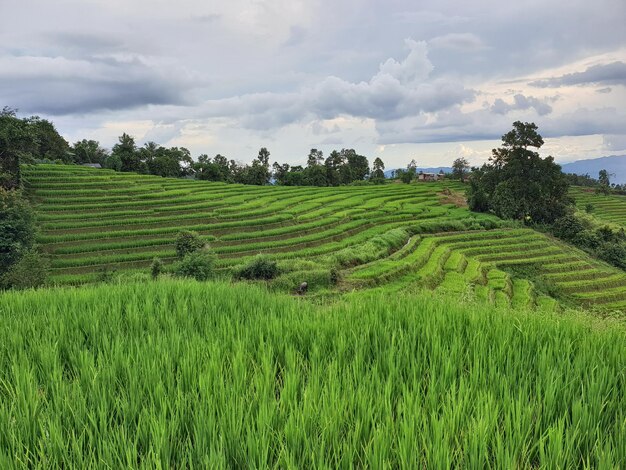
[(96, 218), (496, 266), (392, 236), (607, 208)]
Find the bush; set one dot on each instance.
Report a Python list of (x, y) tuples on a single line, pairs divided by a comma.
[(567, 227), (335, 275), (589, 208), (30, 271), (187, 242), (156, 267), (198, 265), (613, 253), (17, 228), (588, 239), (261, 267)]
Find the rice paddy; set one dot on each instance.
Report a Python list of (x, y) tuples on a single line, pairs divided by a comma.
[(179, 374), (392, 237), (609, 208)]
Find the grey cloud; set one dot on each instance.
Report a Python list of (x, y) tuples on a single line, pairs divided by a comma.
[(59, 86), (297, 34), (208, 18), (457, 42), (614, 143), (399, 89), (604, 90), (521, 102), (607, 74), (455, 126)]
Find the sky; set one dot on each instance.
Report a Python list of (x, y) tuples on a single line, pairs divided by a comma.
[(430, 80)]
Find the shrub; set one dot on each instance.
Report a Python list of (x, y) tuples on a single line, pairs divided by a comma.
[(156, 267), (198, 265), (589, 208), (588, 239), (567, 227), (335, 275), (30, 271), (105, 274), (613, 253), (17, 228), (261, 267), (187, 242)]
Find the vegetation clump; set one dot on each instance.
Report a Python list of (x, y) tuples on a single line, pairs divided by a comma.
[(187, 242), (260, 268), (517, 183), (198, 265)]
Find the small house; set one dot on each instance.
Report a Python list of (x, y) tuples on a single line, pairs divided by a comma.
[(92, 165), (427, 176)]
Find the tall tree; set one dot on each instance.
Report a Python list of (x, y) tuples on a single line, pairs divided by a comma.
[(315, 157), (126, 151), (89, 151), (378, 171), (460, 167), (18, 144), (517, 183), (50, 144)]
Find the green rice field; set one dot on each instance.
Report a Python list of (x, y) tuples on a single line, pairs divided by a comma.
[(179, 374), (609, 208), (392, 237)]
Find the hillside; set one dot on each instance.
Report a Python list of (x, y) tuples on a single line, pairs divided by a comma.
[(609, 208), (393, 236), (615, 165), (233, 376)]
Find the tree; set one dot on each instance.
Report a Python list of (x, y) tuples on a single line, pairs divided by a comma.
[(378, 171), (18, 144), (50, 144), (187, 242), (333, 162), (517, 183), (408, 175), (603, 178), (605, 183), (30, 271), (460, 167), (126, 151), (89, 151), (357, 166), (316, 157), (17, 228)]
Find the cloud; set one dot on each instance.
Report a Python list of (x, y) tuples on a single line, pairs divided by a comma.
[(59, 85), (457, 42), (521, 102), (614, 143), (399, 89), (454, 125), (606, 74), (604, 90)]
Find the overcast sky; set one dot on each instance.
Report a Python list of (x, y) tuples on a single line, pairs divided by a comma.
[(399, 79)]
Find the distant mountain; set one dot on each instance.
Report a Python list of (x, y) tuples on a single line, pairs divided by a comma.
[(437, 169), (615, 164)]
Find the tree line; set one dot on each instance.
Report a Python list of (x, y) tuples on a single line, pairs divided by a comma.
[(33, 140)]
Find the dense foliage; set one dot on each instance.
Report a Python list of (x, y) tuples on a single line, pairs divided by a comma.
[(260, 267), (177, 374), (17, 227), (517, 183)]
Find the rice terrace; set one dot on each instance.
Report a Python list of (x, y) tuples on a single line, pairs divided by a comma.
[(312, 235)]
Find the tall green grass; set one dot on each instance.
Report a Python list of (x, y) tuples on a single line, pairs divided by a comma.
[(177, 374)]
